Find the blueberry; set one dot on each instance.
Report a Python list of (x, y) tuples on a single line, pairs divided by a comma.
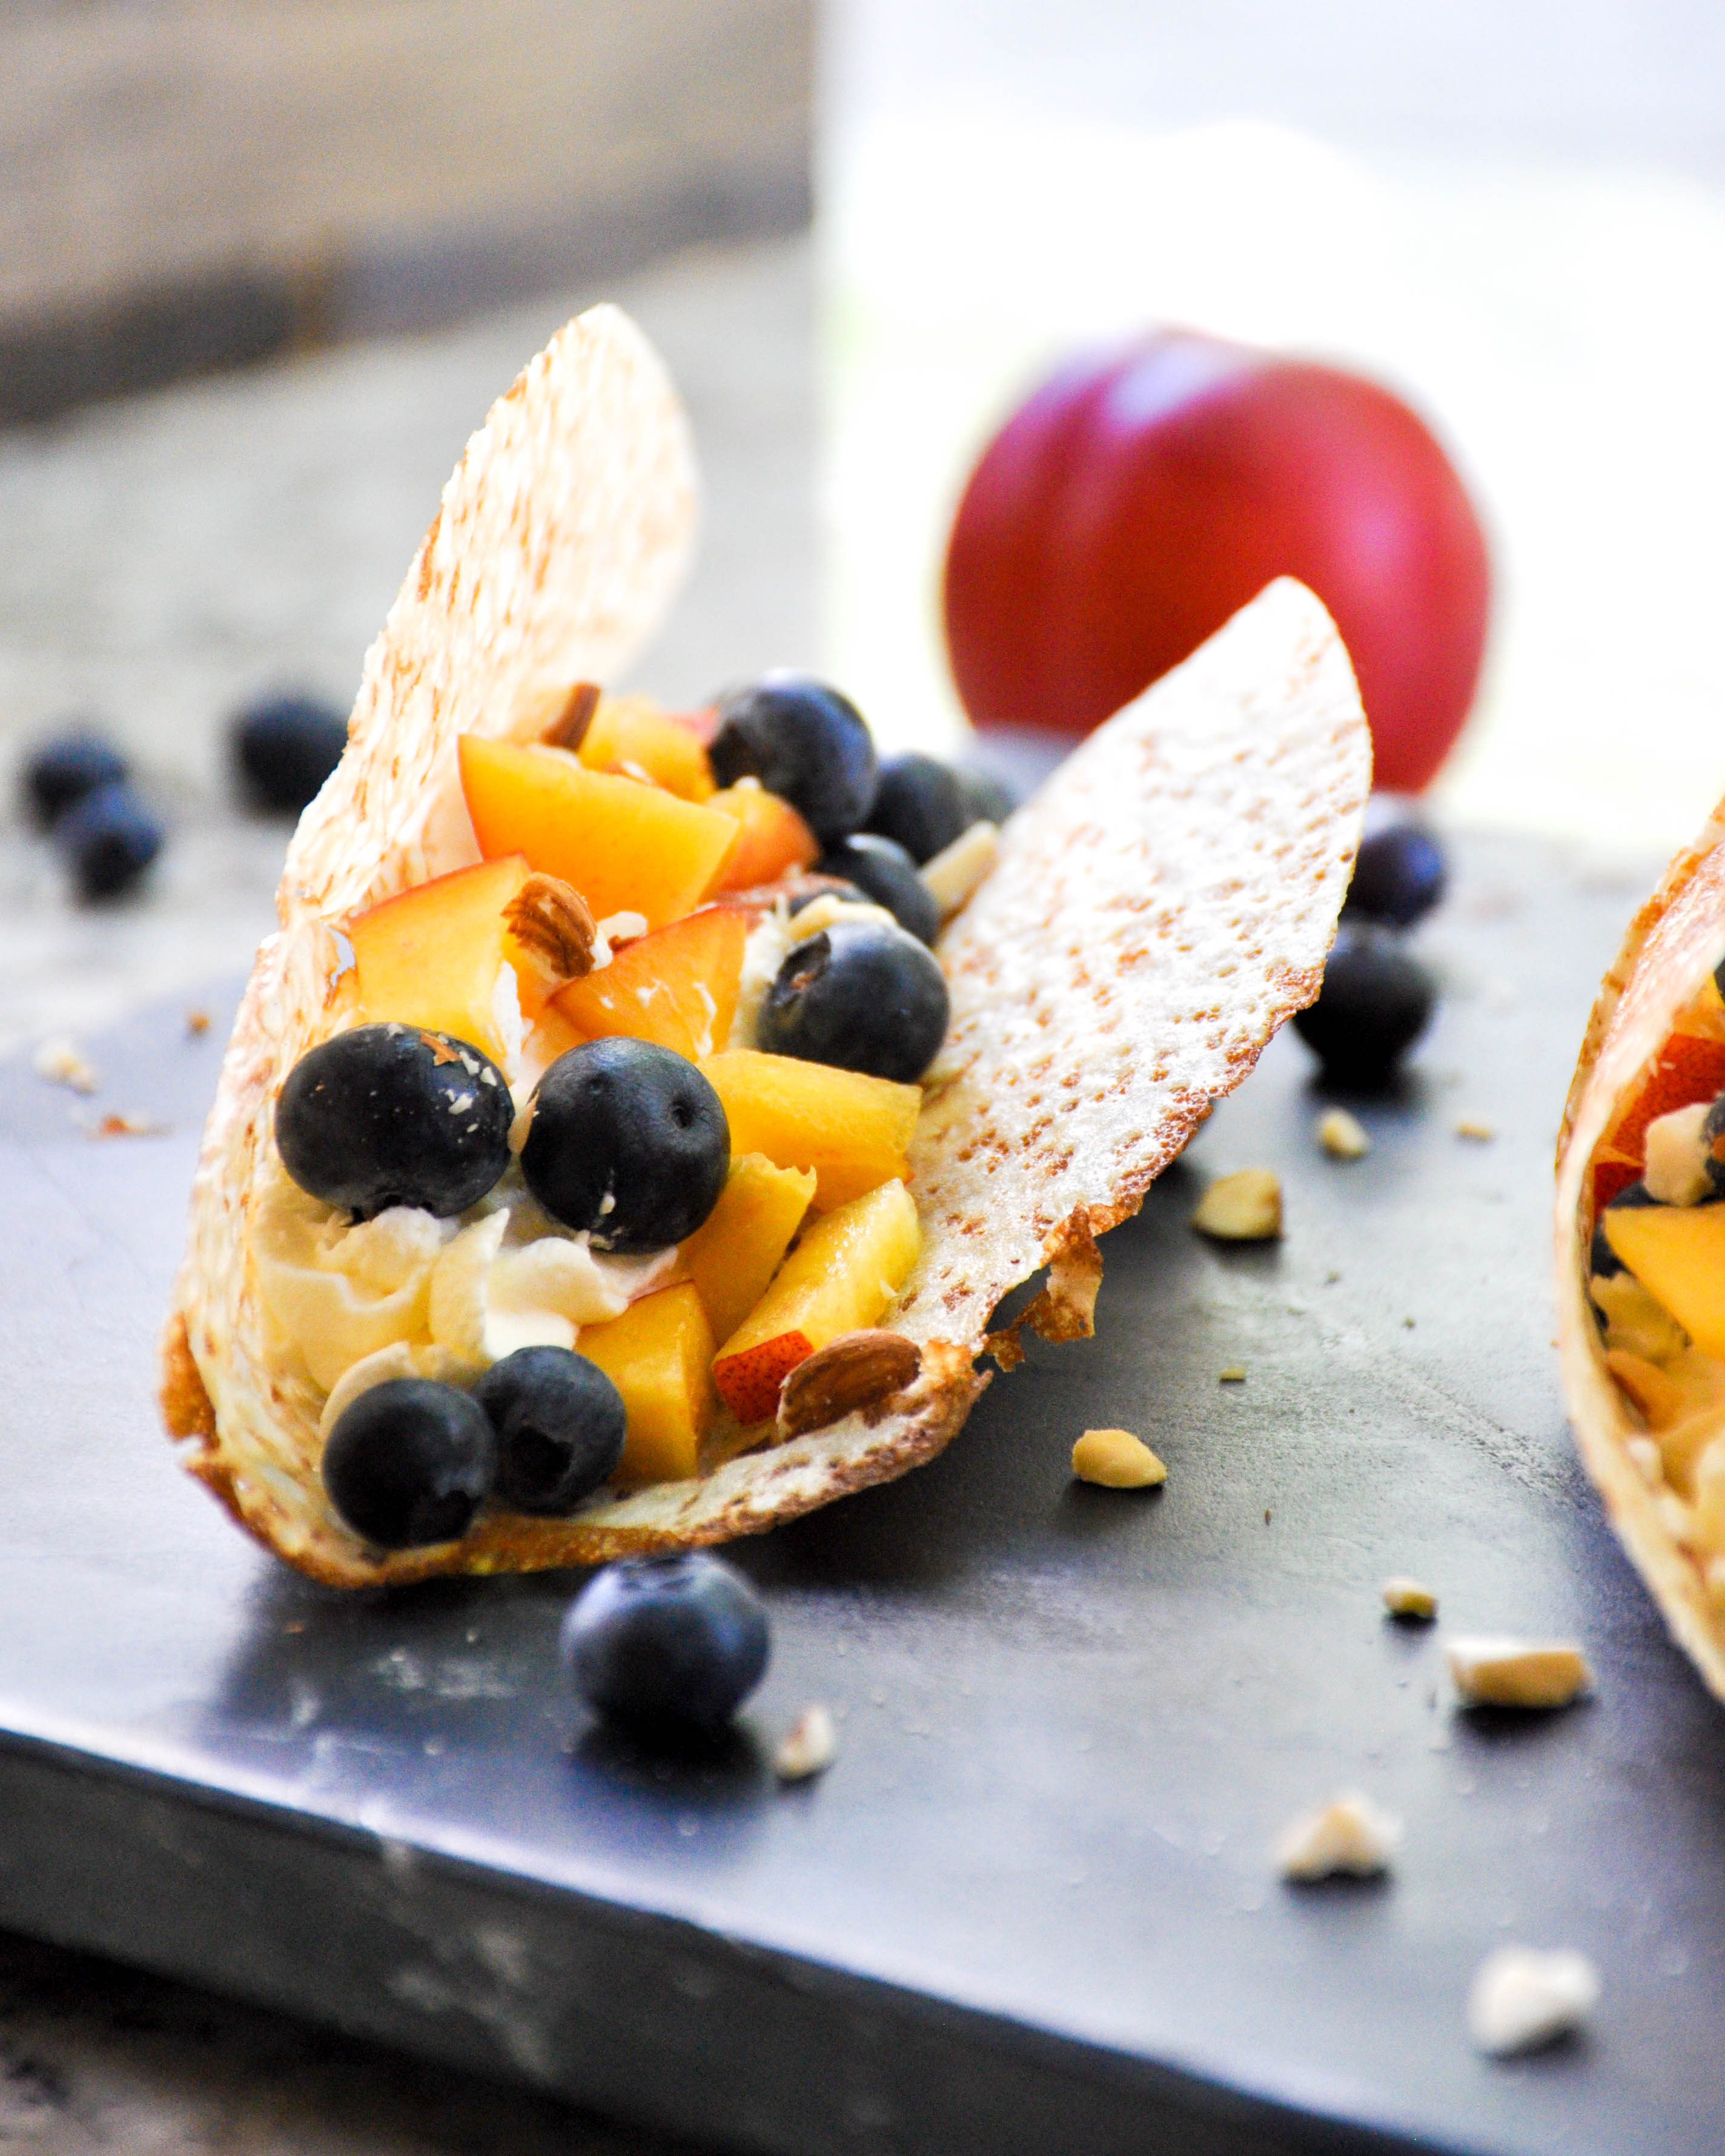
[(986, 799), (861, 995), (680, 1640), (851, 893), (629, 1140), (919, 801), (1399, 876), (1602, 1262), (61, 771), (390, 1114), (1712, 1141), (1375, 1003), (108, 839), (887, 874), (803, 742), (560, 1424), (283, 748), (410, 1462)]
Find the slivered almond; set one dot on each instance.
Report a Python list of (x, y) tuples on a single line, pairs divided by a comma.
[(569, 728), (552, 922), (855, 1371)]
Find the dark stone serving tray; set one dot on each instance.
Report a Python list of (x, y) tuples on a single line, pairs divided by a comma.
[(1030, 1907)]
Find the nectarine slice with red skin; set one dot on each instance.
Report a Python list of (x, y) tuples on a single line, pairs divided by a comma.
[(430, 956), (749, 1384), (774, 837), (676, 985), (851, 1129), (631, 732), (1689, 1068), (733, 1255)]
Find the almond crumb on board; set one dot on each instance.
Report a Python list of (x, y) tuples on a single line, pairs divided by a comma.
[(809, 1747), (197, 1025), (1342, 1136), (60, 1061), (1349, 1834), (1472, 1127), (1410, 1598), (1234, 1374), (1115, 1460), (1520, 1998), (1508, 1673), (127, 1124), (1245, 1207)]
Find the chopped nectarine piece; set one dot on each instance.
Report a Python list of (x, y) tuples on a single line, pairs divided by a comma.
[(625, 847), (676, 985), (659, 1355), (775, 840), (851, 1129), (735, 1252), (1677, 1253), (631, 734), (841, 1277), (430, 956), (1689, 1068)]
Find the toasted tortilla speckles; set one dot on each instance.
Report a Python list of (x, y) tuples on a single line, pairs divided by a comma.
[(1161, 907)]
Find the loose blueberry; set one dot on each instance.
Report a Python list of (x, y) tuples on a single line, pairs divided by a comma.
[(60, 773), (108, 839), (1602, 1260), (919, 803), (986, 799), (1375, 1003), (1399, 876), (861, 995), (803, 742), (560, 1424), (887, 874), (283, 749), (629, 1140), (410, 1462), (390, 1114), (667, 1641)]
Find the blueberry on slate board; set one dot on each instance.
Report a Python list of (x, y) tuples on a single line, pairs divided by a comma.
[(1376, 1001), (392, 1115), (803, 742), (919, 801), (108, 839), (410, 1462), (283, 749), (861, 995), (1399, 876), (885, 872), (628, 1140), (1602, 1262), (667, 1641), (560, 1424), (58, 773)]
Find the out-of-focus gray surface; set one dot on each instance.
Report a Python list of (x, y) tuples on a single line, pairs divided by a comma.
[(160, 558)]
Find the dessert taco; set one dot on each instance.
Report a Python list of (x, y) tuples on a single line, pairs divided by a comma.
[(602, 1161), (1640, 1248)]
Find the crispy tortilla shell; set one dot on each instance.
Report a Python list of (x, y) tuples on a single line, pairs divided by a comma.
[(1672, 944), (1159, 909)]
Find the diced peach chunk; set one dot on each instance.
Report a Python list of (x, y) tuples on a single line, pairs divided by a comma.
[(676, 985), (659, 1355), (843, 1275), (735, 1252), (851, 1129), (430, 956), (632, 733), (1677, 1253), (775, 840), (625, 847)]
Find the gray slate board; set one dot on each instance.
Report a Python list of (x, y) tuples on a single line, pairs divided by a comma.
[(1030, 1907)]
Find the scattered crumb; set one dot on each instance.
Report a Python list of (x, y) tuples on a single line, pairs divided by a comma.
[(1471, 1126), (1408, 1324), (1408, 1598), (1234, 1374), (1349, 1834), (1507, 1672), (1342, 1136), (810, 1746), (197, 1025), (1520, 1998), (129, 1124), (1266, 1516), (61, 1062), (1242, 1208), (1118, 1461), (1331, 1279)]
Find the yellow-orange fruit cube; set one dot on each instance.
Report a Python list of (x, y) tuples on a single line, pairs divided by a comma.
[(842, 1276), (677, 986), (631, 733), (733, 1255), (775, 840), (853, 1129), (658, 1354), (430, 956), (627, 848), (1677, 1253)]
